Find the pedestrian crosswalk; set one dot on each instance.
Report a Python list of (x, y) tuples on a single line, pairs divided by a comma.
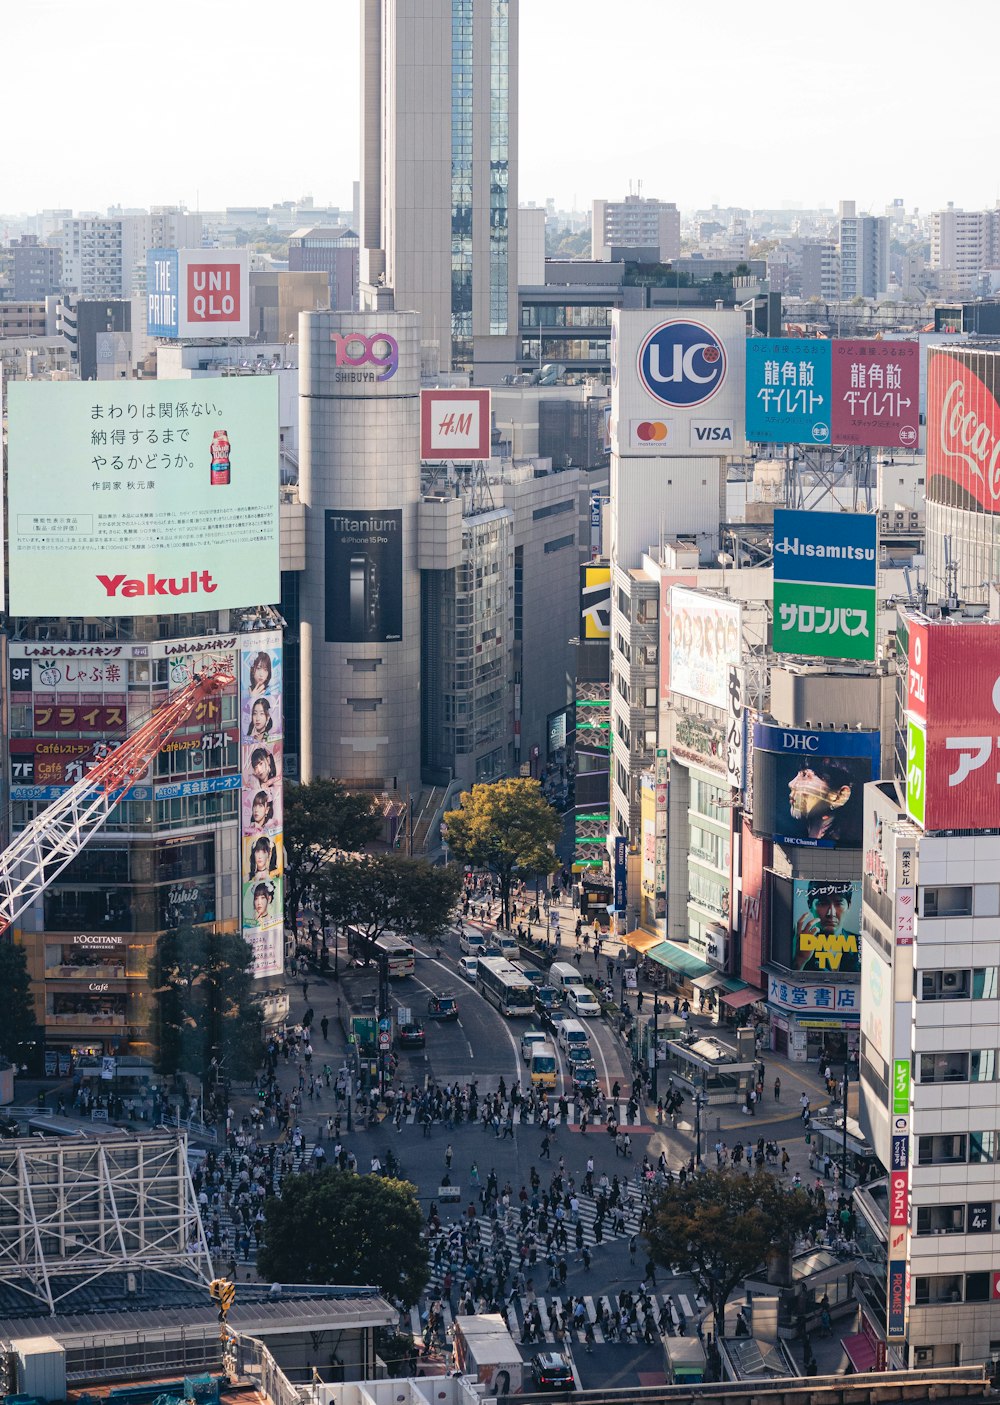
[(563, 1319), (532, 1118)]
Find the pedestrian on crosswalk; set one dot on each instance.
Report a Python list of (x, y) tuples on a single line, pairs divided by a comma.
[(633, 1244)]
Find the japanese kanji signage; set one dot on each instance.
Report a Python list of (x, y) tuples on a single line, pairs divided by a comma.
[(825, 567), (833, 392), (793, 995), (143, 497)]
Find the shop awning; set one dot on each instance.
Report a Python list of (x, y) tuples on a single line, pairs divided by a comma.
[(736, 999), (675, 958), (860, 1352), (708, 982), (641, 941)]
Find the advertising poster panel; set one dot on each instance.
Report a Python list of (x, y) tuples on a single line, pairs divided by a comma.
[(825, 573), (808, 787), (705, 641), (198, 293), (826, 925), (454, 425), (963, 429), (953, 725), (664, 633), (876, 393), (157, 496), (261, 737), (788, 390), (364, 576), (677, 383), (595, 604), (162, 293), (876, 1007)]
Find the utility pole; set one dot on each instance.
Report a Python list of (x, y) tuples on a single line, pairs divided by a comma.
[(656, 1033), (843, 1151), (700, 1101), (384, 1010)]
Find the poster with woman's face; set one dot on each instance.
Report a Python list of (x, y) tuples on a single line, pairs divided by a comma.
[(260, 719), (260, 672), (262, 899), (263, 856)]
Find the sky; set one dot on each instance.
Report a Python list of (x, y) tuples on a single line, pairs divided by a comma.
[(223, 102)]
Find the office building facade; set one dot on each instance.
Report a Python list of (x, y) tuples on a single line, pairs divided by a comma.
[(635, 223)]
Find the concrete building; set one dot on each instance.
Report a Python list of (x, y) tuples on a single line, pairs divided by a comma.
[(105, 256), (276, 299), (820, 270), (964, 244), (360, 593), (635, 222), (333, 251), (530, 246), (863, 242), (37, 269), (439, 175)]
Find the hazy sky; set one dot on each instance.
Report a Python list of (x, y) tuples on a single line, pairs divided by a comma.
[(216, 102)]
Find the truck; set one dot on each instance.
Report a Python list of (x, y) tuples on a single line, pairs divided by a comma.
[(685, 1360), (485, 1351)]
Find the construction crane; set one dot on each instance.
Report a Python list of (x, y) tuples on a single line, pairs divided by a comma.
[(53, 839)]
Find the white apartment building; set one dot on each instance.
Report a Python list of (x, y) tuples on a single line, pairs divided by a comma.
[(635, 223), (964, 243), (864, 253), (105, 255)]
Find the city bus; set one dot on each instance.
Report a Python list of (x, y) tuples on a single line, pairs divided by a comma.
[(504, 986), (399, 951)]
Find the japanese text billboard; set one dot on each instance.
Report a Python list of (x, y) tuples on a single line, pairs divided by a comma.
[(705, 642), (826, 925), (663, 639), (808, 787), (677, 383), (833, 392), (454, 425), (143, 497), (825, 569), (963, 428), (364, 576), (953, 725), (198, 293), (262, 733)]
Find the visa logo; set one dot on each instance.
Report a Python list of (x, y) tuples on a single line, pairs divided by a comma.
[(717, 433)]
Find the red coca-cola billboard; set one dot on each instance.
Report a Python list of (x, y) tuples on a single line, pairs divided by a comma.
[(963, 429), (954, 692)]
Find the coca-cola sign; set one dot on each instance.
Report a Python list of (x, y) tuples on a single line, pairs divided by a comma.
[(963, 429)]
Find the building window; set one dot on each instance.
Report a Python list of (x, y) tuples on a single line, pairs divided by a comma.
[(560, 543), (938, 1288), (950, 1067), (552, 509), (980, 984), (950, 901), (940, 1219), (982, 1148), (942, 1150)]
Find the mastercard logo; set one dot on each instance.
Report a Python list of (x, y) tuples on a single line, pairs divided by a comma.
[(651, 431)]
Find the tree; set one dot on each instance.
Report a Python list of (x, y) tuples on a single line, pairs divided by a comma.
[(508, 827), (18, 1027), (338, 1227), (389, 893), (204, 1002), (320, 816), (720, 1226)]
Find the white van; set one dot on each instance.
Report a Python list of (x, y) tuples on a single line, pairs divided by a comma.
[(572, 1032), (509, 948), (471, 942), (562, 975), (529, 1040)]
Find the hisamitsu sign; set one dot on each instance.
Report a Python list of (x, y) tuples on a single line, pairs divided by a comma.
[(825, 570)]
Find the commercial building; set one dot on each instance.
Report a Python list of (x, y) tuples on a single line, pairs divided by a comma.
[(820, 270), (37, 269), (333, 251), (439, 167), (636, 222)]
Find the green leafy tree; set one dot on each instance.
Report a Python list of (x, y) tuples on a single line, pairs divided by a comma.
[(338, 1227), (389, 893), (204, 1006), (319, 817), (18, 1028), (508, 827), (721, 1226)]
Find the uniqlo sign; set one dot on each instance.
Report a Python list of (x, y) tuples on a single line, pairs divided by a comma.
[(214, 288), (454, 425), (954, 695)]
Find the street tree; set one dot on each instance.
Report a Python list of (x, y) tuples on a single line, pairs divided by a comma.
[(319, 817), (721, 1226), (338, 1227), (380, 893), (508, 827), (204, 1007), (18, 1027)]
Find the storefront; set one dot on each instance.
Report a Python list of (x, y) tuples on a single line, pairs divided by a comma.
[(810, 1021)]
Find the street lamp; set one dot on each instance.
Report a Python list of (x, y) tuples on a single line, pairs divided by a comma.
[(655, 1081), (843, 1152), (700, 1101)]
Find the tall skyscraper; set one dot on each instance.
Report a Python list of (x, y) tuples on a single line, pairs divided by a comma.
[(439, 175)]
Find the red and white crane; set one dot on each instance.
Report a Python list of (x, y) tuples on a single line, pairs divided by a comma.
[(53, 839)]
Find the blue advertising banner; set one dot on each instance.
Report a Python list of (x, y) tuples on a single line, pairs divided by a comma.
[(788, 393), (895, 1322), (621, 874), (792, 741), (808, 787), (162, 293), (827, 548)]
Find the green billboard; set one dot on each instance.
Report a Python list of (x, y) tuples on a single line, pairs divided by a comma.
[(916, 771), (824, 621)]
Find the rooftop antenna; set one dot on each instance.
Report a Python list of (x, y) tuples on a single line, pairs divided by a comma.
[(950, 575)]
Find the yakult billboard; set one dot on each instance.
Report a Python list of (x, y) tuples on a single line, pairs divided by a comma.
[(142, 497), (953, 695), (677, 383), (198, 293)]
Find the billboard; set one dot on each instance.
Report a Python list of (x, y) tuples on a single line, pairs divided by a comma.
[(677, 383), (825, 570), (364, 576), (157, 496), (705, 640), (833, 392), (953, 724), (198, 293), (963, 429), (808, 787), (261, 809), (876, 1006), (826, 925), (663, 639), (595, 604), (454, 425)]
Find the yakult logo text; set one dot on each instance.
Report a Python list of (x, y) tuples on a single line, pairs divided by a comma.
[(355, 351), (213, 292), (194, 583)]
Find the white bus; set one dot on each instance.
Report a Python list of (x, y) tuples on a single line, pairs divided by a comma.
[(504, 986), (399, 951)]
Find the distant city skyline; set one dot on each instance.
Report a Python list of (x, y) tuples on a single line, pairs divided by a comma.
[(209, 105)]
